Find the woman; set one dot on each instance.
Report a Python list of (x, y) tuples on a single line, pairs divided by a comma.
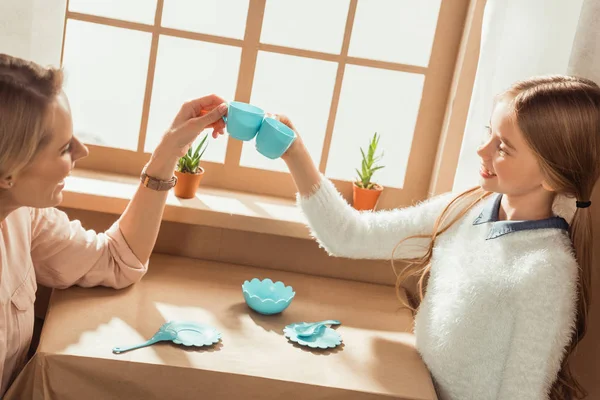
[(37, 241)]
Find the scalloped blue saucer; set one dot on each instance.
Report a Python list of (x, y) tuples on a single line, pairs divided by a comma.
[(187, 333), (324, 339)]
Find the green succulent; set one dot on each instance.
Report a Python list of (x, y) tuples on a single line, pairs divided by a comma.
[(369, 164), (190, 162)]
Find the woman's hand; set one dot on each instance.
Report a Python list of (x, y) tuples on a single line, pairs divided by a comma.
[(193, 117)]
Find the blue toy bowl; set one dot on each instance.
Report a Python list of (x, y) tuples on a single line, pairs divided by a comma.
[(266, 297)]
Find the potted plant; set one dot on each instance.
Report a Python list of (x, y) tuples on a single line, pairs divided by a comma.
[(189, 172), (365, 193)]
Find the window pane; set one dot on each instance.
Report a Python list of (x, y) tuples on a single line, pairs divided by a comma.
[(128, 10), (105, 80), (394, 30), (310, 30), (185, 70), (300, 88), (375, 100), (214, 17)]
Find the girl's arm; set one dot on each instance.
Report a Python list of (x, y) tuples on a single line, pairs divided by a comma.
[(345, 232), (543, 327)]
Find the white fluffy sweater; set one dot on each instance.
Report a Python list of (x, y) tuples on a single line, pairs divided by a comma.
[(500, 303)]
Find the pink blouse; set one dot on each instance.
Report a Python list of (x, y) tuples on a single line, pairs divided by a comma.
[(42, 245)]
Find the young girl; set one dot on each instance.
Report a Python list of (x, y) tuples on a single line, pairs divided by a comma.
[(506, 280), (38, 243)]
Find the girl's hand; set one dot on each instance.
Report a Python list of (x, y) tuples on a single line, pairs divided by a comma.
[(297, 146), (302, 168)]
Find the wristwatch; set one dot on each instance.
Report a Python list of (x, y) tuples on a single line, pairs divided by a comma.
[(157, 184)]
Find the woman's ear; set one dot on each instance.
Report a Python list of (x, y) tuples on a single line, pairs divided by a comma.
[(546, 186), (6, 182)]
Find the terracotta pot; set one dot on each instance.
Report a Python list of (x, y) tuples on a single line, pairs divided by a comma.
[(365, 199), (187, 184)]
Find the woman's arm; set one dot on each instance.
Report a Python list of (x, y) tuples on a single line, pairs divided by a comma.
[(65, 254), (142, 217)]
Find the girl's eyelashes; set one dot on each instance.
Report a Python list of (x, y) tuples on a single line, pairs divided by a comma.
[(500, 148)]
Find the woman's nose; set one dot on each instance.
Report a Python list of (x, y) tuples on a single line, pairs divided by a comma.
[(80, 152)]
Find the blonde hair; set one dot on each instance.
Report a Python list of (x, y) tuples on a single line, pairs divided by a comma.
[(26, 92), (559, 117)]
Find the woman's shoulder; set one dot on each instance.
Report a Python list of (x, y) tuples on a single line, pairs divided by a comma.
[(46, 215), (17, 227), (19, 217)]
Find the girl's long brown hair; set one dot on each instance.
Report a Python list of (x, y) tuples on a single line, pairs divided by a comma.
[(559, 117)]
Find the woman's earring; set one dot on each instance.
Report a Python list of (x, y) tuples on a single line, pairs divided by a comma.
[(10, 183)]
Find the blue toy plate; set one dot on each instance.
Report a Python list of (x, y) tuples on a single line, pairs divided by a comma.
[(194, 334), (328, 338), (187, 333)]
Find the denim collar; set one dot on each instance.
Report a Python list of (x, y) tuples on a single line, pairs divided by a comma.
[(491, 211)]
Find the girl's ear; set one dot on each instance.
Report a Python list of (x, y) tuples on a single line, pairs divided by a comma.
[(546, 186)]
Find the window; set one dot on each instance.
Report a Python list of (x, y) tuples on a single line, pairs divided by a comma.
[(341, 74)]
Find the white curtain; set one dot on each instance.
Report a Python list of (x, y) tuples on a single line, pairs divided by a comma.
[(585, 57), (520, 38), (32, 29)]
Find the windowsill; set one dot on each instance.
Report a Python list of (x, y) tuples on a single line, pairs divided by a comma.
[(110, 193)]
